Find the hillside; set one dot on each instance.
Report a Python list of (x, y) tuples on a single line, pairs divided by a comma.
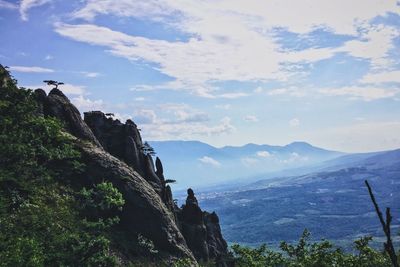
[(86, 192), (332, 204)]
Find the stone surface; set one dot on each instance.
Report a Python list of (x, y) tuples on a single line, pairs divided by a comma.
[(217, 246), (144, 212), (116, 154), (58, 105), (202, 231), (120, 140)]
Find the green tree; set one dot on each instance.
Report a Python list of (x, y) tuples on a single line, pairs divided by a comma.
[(41, 220), (311, 254)]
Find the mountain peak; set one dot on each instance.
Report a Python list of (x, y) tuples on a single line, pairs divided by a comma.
[(299, 144)]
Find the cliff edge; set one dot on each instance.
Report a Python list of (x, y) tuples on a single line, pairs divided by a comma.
[(114, 151)]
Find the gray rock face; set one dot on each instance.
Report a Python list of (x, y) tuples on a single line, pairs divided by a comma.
[(202, 232), (144, 211), (217, 245), (120, 140), (56, 104), (115, 153), (123, 141)]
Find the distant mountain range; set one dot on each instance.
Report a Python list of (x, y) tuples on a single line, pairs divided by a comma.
[(332, 202), (265, 193), (198, 164)]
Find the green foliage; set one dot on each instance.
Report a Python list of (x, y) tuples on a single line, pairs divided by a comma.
[(103, 201), (183, 262), (146, 246), (47, 219), (261, 256), (148, 149), (42, 222), (308, 254)]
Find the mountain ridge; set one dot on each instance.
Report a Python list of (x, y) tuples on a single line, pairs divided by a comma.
[(331, 203), (214, 165), (102, 167)]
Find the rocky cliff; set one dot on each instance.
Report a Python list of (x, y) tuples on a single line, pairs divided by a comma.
[(114, 151)]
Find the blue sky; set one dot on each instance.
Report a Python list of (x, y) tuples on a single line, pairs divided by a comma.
[(226, 72)]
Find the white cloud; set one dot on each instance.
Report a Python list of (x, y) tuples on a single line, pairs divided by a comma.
[(251, 118), (366, 93), (249, 161), (48, 57), (210, 161), (373, 44), (258, 90), (32, 69), (231, 95), (223, 106), (122, 117), (295, 157), (7, 5), (177, 121), (72, 89), (290, 91), (145, 116), (357, 137), (280, 91), (295, 122), (263, 154), (141, 9), (85, 104), (168, 129), (140, 99), (236, 40), (90, 74), (183, 113), (25, 5), (193, 63), (197, 17), (382, 77)]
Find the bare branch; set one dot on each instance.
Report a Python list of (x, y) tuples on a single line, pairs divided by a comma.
[(388, 245)]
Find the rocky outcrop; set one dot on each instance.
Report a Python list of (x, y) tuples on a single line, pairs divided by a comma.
[(116, 153), (120, 140), (57, 105), (217, 246), (144, 211), (202, 231)]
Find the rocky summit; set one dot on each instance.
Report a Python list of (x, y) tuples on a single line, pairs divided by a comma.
[(113, 151)]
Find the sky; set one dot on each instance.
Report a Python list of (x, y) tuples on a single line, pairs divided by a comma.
[(225, 72)]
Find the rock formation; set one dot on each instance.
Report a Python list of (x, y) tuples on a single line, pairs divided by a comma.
[(57, 105), (202, 231), (114, 151)]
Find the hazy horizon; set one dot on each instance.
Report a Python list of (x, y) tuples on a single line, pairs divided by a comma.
[(221, 72), (269, 144)]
